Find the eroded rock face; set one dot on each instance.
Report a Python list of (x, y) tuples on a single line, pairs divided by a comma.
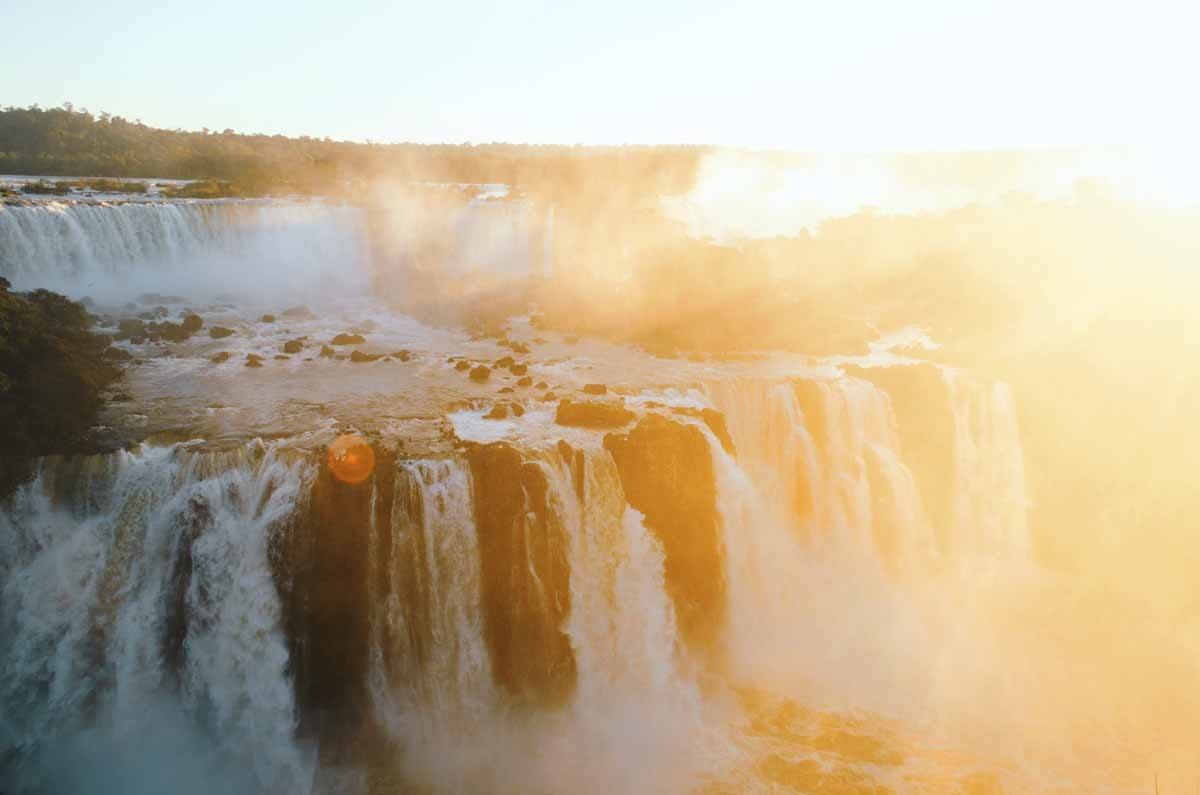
[(667, 473), (525, 576), (592, 414), (320, 562)]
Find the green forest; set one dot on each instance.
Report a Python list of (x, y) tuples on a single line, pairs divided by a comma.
[(69, 142)]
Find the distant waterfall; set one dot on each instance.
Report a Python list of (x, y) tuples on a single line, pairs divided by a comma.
[(991, 504), (138, 606), (201, 249)]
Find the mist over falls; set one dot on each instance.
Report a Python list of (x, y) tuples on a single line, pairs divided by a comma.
[(782, 572)]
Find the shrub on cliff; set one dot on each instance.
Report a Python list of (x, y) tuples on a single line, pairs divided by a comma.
[(52, 369)]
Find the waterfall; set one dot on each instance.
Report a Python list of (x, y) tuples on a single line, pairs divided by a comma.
[(837, 476), (137, 591), (429, 664), (636, 708), (254, 249), (991, 505)]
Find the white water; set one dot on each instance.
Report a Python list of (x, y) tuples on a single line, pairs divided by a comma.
[(92, 567), (266, 251), (853, 496), (434, 544)]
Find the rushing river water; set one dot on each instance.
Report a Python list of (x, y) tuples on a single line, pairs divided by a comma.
[(780, 574)]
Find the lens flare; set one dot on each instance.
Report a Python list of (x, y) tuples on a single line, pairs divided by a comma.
[(350, 458)]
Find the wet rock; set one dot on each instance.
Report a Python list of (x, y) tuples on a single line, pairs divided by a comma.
[(281, 357), (223, 356), (715, 421), (595, 389), (121, 397), (481, 373), (541, 385), (293, 346), (348, 339), (506, 390), (520, 368), (524, 381), (462, 364), (253, 360), (361, 358), (517, 409), (129, 327), (267, 319), (171, 332), (192, 323), (519, 347), (593, 414), (506, 361), (548, 397), (113, 354), (498, 412), (667, 473), (525, 577), (402, 355), (139, 340), (219, 332), (327, 352)]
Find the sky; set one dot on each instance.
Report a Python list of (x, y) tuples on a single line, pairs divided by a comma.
[(834, 76)]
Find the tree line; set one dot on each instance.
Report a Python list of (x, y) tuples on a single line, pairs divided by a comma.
[(65, 141)]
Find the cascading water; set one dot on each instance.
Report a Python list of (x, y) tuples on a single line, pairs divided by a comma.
[(204, 250), (429, 663), (138, 602), (991, 506)]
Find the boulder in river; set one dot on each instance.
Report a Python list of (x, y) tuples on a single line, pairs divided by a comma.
[(506, 361), (593, 414), (481, 373), (518, 368), (267, 319), (327, 352), (524, 381), (219, 332), (595, 389), (253, 360), (402, 355), (293, 346), (348, 339), (223, 356), (192, 323), (498, 412), (462, 364), (361, 358)]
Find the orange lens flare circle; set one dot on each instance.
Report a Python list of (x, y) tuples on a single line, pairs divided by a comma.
[(350, 458)]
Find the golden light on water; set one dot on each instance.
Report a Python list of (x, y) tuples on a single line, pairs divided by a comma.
[(350, 458)]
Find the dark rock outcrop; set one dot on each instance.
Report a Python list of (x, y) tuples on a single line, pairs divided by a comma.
[(525, 576), (593, 414), (667, 473), (348, 339)]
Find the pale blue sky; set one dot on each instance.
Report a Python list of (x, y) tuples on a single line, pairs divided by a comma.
[(822, 76)]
